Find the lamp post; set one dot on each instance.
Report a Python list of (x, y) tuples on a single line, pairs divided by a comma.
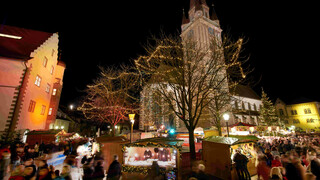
[(226, 118), (131, 117)]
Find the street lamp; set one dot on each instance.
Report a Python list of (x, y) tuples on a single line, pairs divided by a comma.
[(226, 118), (131, 117), (71, 107)]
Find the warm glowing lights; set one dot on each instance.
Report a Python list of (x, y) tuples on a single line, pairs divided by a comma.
[(226, 116), (10, 36), (131, 117)]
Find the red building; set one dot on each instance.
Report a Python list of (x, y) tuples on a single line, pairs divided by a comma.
[(31, 78)]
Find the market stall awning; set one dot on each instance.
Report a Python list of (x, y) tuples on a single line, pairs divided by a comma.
[(158, 141), (232, 140), (38, 132), (242, 124)]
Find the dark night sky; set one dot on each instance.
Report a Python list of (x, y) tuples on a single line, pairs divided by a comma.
[(282, 37)]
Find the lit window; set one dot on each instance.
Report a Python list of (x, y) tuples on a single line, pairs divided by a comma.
[(310, 120), (43, 109), (307, 111), (32, 105), (54, 92), (45, 61), (48, 88), (52, 69), (38, 81), (50, 111)]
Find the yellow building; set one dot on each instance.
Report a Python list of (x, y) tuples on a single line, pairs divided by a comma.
[(303, 114)]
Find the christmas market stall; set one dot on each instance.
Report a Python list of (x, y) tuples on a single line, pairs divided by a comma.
[(45, 136), (218, 151), (241, 128), (139, 156), (111, 146)]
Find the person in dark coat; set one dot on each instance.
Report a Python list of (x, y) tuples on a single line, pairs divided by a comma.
[(241, 165), (114, 171), (314, 165), (98, 173)]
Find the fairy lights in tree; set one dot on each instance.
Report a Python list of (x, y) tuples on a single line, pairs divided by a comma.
[(188, 75), (112, 96)]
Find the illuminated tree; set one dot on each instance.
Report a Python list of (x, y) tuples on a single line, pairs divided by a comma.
[(268, 114), (185, 74), (111, 97)]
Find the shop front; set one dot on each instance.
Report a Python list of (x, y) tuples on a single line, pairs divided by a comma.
[(218, 151), (139, 156)]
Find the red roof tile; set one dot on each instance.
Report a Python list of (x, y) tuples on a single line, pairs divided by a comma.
[(20, 48)]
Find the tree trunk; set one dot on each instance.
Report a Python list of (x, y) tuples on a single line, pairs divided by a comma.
[(113, 130), (219, 130), (192, 146)]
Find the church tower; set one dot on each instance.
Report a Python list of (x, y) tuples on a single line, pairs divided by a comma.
[(200, 23)]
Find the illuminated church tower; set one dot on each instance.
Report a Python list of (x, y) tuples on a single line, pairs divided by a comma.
[(200, 24)]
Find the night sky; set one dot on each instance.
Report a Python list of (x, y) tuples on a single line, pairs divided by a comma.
[(282, 38)]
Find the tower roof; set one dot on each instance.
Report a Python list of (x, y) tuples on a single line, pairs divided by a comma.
[(197, 4), (213, 14), (185, 20)]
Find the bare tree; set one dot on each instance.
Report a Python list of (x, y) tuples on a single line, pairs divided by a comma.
[(185, 74), (111, 97)]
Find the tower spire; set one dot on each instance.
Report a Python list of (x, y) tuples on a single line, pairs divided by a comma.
[(185, 20), (213, 15), (197, 4)]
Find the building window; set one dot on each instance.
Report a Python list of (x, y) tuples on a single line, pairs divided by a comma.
[(52, 69), (48, 88), (307, 111), (255, 107), (50, 111), (52, 52), (249, 106), (294, 112), (281, 113), (32, 105), (236, 105), (54, 92), (43, 109), (190, 33), (310, 120), (45, 62), (296, 121), (243, 107), (286, 121), (211, 31), (38, 81)]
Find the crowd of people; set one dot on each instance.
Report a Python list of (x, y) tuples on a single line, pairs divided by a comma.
[(21, 161), (284, 158), (277, 158)]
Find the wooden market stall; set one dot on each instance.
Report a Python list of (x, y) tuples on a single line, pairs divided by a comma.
[(45, 136), (217, 153), (139, 156), (111, 146)]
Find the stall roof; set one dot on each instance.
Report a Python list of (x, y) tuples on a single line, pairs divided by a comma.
[(242, 124), (232, 140), (51, 131), (111, 139), (165, 141)]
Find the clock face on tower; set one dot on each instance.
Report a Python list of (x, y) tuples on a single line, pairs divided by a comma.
[(198, 13), (211, 31)]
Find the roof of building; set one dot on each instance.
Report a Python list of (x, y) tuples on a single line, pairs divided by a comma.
[(299, 100), (19, 43), (231, 140), (244, 91)]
